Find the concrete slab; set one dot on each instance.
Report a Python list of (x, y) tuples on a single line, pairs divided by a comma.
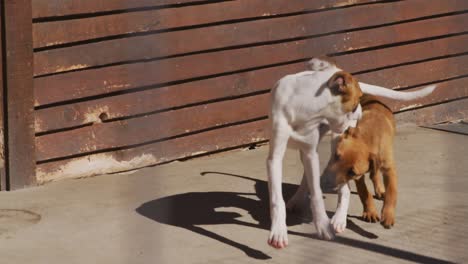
[(460, 127), (215, 210)]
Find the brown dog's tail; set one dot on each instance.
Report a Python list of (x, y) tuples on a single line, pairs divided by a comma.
[(396, 95)]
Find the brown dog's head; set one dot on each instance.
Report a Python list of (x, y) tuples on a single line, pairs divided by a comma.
[(352, 157), (344, 84)]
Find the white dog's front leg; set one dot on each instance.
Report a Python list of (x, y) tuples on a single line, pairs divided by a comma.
[(320, 218), (278, 237), (339, 219)]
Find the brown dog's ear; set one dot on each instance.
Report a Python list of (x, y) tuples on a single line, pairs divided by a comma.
[(349, 131), (337, 82), (374, 163), (352, 132), (340, 80)]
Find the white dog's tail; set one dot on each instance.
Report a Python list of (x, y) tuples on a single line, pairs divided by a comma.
[(396, 95)]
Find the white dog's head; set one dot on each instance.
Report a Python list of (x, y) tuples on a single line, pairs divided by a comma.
[(321, 64)]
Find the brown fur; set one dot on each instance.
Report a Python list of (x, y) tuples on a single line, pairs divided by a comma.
[(347, 86), (369, 148)]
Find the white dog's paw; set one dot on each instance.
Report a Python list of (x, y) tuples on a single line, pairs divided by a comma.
[(338, 222), (324, 229), (278, 236)]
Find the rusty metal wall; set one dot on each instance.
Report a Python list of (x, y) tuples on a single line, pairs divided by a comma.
[(126, 84)]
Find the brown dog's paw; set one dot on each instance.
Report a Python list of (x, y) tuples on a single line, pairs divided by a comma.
[(379, 194), (388, 218), (370, 216)]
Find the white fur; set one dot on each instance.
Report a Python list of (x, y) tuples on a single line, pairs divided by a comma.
[(317, 64), (338, 220), (396, 95), (299, 107)]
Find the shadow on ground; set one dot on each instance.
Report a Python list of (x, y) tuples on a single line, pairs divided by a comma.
[(194, 209)]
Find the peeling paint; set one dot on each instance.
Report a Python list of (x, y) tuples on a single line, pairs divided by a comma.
[(410, 106), (2, 147), (93, 115), (93, 165), (48, 44), (114, 86), (38, 124), (72, 67), (345, 3), (197, 153), (255, 140)]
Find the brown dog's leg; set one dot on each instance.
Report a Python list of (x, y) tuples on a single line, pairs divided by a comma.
[(370, 213), (375, 176), (388, 210), (378, 185)]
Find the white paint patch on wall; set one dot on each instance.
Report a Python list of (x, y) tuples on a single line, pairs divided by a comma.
[(94, 165), (410, 106), (2, 148), (72, 67)]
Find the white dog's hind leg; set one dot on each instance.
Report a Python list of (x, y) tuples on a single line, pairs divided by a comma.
[(339, 218), (328, 180), (312, 171), (278, 237), (300, 198)]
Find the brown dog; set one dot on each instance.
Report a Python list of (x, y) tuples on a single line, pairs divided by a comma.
[(369, 148)]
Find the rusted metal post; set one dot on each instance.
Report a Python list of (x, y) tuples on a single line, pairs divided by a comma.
[(3, 184), (18, 97)]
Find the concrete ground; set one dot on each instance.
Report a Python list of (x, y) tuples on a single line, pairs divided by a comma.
[(214, 210)]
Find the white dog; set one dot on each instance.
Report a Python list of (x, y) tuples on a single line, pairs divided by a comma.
[(304, 106)]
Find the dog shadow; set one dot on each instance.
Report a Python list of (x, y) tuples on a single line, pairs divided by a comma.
[(195, 209)]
